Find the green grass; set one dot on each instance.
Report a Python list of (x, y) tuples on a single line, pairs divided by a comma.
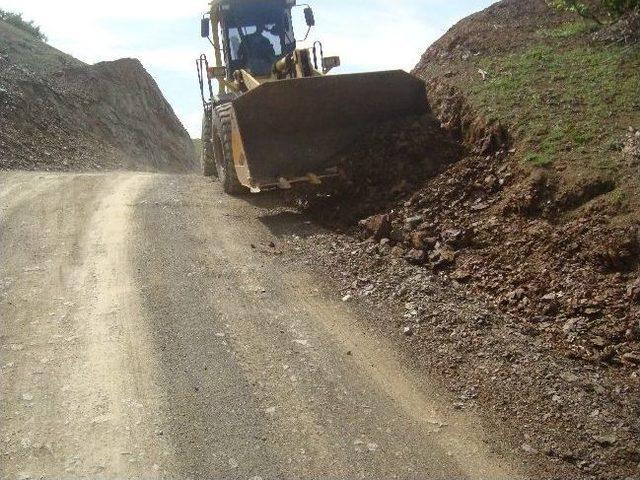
[(564, 101), (538, 160), (569, 30)]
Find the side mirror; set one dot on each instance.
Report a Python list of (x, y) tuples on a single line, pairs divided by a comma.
[(329, 63), (205, 28), (308, 16)]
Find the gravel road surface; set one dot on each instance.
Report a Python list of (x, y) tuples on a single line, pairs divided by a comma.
[(150, 329)]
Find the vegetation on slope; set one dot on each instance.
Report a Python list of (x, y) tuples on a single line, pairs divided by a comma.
[(564, 102), (566, 89), (594, 11), (17, 21)]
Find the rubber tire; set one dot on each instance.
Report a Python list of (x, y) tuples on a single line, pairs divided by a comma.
[(223, 150), (207, 159)]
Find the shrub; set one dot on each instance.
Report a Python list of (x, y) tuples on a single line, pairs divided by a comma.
[(594, 10), (17, 21)]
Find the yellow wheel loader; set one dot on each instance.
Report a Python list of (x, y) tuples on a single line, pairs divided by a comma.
[(278, 118)]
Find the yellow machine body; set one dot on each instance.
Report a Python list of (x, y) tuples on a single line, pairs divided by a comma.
[(291, 126)]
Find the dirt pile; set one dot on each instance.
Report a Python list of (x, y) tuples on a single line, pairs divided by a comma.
[(57, 113), (573, 419), (472, 225), (540, 243), (536, 217), (383, 165)]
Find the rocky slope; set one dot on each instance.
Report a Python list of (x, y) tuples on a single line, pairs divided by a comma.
[(58, 113), (520, 253), (543, 219)]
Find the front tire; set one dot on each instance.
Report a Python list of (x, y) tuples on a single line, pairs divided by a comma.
[(223, 150), (207, 158)]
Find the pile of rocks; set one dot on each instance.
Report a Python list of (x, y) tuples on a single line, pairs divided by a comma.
[(469, 224)]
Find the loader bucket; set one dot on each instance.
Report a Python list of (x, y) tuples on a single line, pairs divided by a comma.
[(292, 128)]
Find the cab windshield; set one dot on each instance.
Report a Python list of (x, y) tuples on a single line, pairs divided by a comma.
[(256, 37)]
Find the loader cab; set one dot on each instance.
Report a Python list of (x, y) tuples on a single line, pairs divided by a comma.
[(256, 34)]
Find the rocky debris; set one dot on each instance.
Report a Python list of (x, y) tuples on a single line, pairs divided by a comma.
[(577, 414), (548, 273), (57, 113), (518, 283), (619, 251), (442, 257), (416, 257), (382, 167), (379, 226), (523, 281), (632, 358)]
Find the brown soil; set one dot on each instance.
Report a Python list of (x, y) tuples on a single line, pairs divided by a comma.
[(57, 113)]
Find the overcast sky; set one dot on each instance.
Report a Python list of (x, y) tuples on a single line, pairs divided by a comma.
[(165, 35)]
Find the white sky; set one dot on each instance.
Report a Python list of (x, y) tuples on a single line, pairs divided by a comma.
[(165, 35)]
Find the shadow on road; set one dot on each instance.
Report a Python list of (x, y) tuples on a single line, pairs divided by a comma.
[(282, 214), (287, 223)]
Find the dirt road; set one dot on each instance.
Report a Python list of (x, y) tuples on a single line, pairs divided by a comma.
[(142, 336)]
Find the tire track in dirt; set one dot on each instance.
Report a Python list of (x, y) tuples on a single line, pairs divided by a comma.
[(81, 394)]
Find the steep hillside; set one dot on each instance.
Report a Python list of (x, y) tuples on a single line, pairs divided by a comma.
[(553, 204), (58, 113)]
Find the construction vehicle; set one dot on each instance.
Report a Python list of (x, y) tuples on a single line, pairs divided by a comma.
[(278, 118)]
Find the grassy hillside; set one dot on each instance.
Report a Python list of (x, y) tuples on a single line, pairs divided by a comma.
[(566, 89), (566, 102)]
